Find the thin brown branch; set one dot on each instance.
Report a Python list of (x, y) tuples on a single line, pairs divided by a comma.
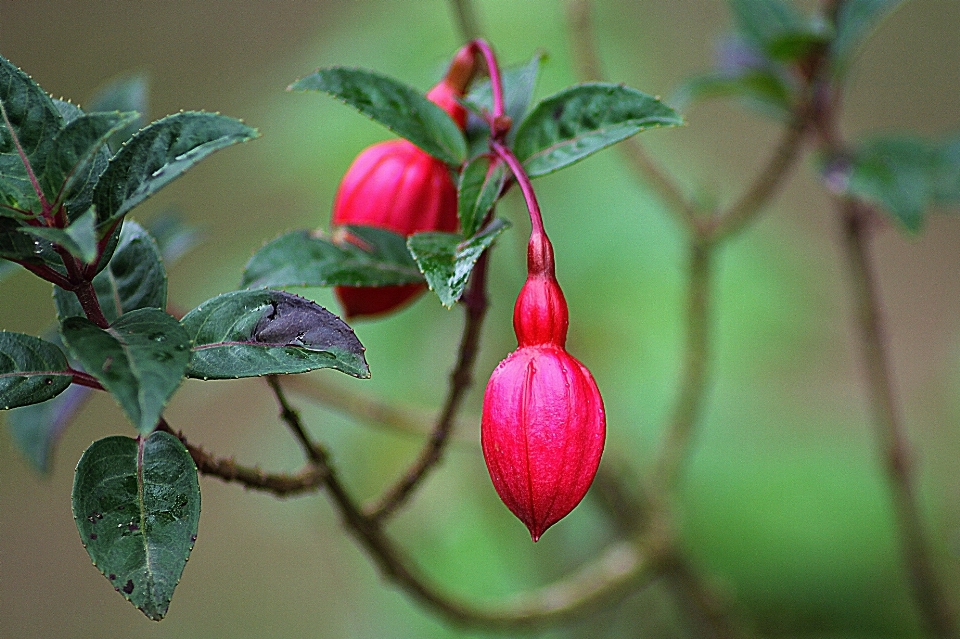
[(610, 575), (466, 17), (589, 68), (693, 384), (310, 479), (369, 410), (768, 181), (475, 305), (928, 591)]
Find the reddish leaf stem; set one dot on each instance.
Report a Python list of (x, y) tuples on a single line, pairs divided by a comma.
[(26, 165), (523, 180)]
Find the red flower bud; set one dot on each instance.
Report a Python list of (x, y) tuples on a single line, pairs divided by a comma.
[(543, 424), (397, 186)]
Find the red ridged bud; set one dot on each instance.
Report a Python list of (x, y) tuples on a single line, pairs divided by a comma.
[(396, 186), (543, 424)]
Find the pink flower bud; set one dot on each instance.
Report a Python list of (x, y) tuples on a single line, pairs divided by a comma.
[(543, 424), (397, 186)]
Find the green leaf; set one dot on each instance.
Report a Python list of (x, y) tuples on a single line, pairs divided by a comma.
[(363, 256), (137, 507), (7, 268), (447, 260), (79, 239), (764, 87), (134, 278), (763, 21), (140, 359), (31, 370), (75, 150), (395, 105), (30, 121), (855, 20), (583, 119), (903, 175), (518, 85), (127, 92), (37, 428), (159, 154), (15, 244), (946, 185), (264, 332), (480, 183), (173, 234)]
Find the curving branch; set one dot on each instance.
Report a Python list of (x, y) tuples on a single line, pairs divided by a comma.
[(475, 303), (928, 592)]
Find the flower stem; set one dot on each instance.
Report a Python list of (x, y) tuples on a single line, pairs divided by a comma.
[(523, 180)]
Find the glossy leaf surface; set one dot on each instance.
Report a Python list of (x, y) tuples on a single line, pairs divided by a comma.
[(395, 105), (447, 260), (264, 332), (136, 503), (160, 153), (140, 359), (29, 123), (31, 370), (134, 278), (581, 120), (370, 257), (79, 239), (36, 429), (480, 183)]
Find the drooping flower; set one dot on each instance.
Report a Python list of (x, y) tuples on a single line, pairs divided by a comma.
[(396, 186), (543, 424)]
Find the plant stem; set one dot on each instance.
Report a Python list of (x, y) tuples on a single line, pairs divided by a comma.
[(466, 17), (693, 385), (87, 297), (894, 449), (475, 306), (621, 567), (589, 70), (310, 479), (771, 177), (505, 154)]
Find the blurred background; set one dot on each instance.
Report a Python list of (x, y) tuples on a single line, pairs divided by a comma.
[(784, 505)]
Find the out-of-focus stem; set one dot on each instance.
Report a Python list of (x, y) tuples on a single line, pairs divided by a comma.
[(475, 304), (466, 17), (928, 592), (590, 69), (693, 384)]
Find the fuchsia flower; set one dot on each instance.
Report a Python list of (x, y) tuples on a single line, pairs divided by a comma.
[(396, 186), (543, 424)]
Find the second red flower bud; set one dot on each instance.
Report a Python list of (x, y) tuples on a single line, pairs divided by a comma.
[(396, 186)]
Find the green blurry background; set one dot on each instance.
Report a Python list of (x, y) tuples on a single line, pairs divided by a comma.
[(784, 503)]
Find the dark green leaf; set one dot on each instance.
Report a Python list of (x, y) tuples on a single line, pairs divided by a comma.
[(898, 174), (15, 244), (74, 153), (518, 85), (126, 92), (137, 507), (173, 234), (79, 239), (947, 179), (767, 89), (264, 332), (157, 155), (583, 119), (140, 359), (37, 428), (31, 370), (799, 45), (855, 20), (447, 260), (134, 278), (302, 258), (30, 121), (480, 183), (763, 21), (395, 105)]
